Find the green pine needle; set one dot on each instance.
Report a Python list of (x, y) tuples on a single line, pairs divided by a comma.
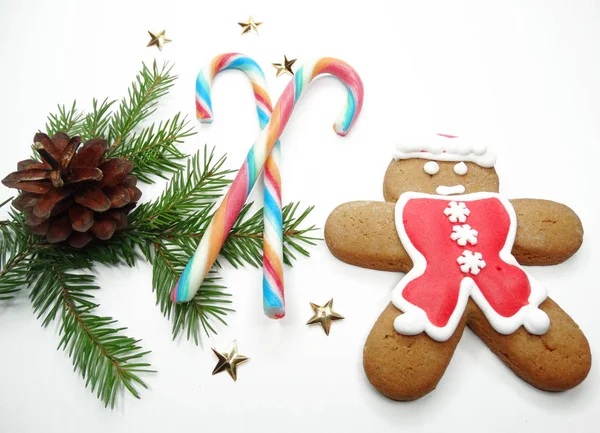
[(153, 151), (95, 124), (142, 97), (8, 200), (196, 316), (106, 359), (210, 302), (67, 120), (244, 243), (192, 189), (17, 247), (294, 236)]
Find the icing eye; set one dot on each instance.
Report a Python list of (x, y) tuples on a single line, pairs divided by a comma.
[(431, 167), (461, 169)]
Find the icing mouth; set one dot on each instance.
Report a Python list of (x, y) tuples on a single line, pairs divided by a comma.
[(449, 190)]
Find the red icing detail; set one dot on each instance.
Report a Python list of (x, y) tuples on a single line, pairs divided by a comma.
[(448, 136), (505, 286)]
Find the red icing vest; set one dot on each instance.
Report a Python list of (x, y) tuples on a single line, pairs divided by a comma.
[(461, 246)]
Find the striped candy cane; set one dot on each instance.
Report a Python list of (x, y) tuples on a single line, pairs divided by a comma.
[(218, 229), (273, 292)]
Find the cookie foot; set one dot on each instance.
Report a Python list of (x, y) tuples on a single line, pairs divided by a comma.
[(405, 367), (558, 360)]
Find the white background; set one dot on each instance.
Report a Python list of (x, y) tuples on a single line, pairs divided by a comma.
[(522, 75)]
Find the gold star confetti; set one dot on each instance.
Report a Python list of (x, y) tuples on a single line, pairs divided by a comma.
[(228, 361), (249, 26), (324, 315), (285, 67), (158, 39)]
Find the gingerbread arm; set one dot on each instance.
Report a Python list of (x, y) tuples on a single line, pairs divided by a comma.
[(363, 233), (548, 233)]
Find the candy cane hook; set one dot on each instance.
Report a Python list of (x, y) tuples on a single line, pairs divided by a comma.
[(273, 291), (225, 216)]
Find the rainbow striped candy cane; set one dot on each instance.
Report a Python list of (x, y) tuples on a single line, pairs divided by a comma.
[(273, 293), (223, 219)]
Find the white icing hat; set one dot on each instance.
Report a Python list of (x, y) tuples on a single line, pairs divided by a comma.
[(442, 147)]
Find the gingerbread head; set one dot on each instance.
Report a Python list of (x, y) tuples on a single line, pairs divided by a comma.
[(461, 245)]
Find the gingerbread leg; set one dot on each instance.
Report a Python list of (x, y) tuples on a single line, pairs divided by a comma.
[(405, 367), (556, 361)]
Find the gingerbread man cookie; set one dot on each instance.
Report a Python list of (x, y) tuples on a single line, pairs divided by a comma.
[(461, 245)]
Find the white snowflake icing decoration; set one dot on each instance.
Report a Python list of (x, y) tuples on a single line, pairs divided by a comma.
[(463, 234), (457, 212), (471, 262)]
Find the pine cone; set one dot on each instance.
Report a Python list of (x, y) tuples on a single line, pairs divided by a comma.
[(74, 194)]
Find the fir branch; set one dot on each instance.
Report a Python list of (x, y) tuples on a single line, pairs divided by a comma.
[(185, 204), (17, 248), (165, 231), (67, 120), (210, 302), (294, 236), (153, 151), (191, 190), (196, 316), (244, 243), (168, 231), (95, 124), (5, 202), (143, 95), (172, 249), (106, 359), (118, 249)]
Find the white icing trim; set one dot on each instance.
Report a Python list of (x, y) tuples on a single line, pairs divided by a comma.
[(414, 318), (437, 147), (461, 168), (450, 190), (431, 167)]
